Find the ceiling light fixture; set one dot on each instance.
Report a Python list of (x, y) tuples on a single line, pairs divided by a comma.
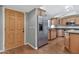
[(69, 8)]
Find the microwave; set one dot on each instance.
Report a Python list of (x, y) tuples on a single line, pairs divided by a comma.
[(70, 23)]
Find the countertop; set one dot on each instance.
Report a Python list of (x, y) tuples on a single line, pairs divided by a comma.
[(68, 29), (72, 31), (64, 27)]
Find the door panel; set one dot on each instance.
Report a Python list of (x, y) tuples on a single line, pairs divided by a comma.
[(19, 25), (9, 29), (9, 42)]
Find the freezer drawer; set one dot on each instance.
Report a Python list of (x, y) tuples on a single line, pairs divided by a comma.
[(42, 41)]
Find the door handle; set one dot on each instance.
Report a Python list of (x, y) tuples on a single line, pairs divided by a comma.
[(23, 30)]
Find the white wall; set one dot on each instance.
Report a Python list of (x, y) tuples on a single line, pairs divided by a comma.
[(1, 28), (31, 29)]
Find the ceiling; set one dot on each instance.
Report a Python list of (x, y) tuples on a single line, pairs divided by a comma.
[(58, 10)]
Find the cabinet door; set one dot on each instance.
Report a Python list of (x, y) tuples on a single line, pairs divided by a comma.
[(63, 21), (74, 43), (54, 21), (53, 34), (60, 32), (40, 12), (49, 35), (71, 19), (19, 29), (77, 21), (43, 13), (67, 40)]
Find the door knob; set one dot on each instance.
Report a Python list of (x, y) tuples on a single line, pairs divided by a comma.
[(23, 30)]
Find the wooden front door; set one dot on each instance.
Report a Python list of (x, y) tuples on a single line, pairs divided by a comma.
[(14, 32)]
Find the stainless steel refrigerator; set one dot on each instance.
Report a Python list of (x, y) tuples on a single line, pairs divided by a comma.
[(42, 30)]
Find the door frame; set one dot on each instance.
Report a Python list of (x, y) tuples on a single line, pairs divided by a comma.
[(4, 25)]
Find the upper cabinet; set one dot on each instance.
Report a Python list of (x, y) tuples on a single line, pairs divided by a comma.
[(74, 18), (40, 12), (70, 19), (63, 21), (54, 21), (77, 20)]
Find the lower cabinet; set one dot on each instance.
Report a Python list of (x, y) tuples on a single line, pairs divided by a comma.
[(60, 32), (53, 34), (72, 42), (49, 35), (67, 40)]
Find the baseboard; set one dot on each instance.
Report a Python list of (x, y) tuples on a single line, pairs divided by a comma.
[(1, 50), (36, 48), (25, 43), (31, 46)]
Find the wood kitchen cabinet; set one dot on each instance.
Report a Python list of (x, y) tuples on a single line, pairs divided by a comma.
[(40, 12), (49, 34), (60, 32), (71, 19), (53, 33), (77, 20), (67, 40), (74, 43), (54, 21), (66, 19), (74, 18), (63, 21)]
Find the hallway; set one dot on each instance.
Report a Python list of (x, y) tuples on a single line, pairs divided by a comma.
[(55, 46)]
